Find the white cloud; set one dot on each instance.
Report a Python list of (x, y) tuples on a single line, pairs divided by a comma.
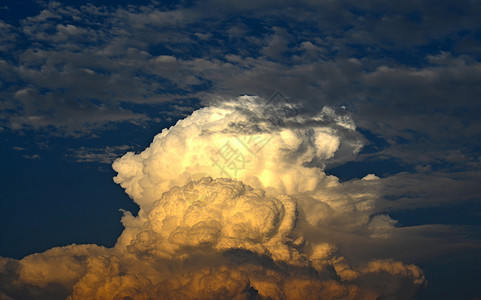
[(271, 149), (267, 231)]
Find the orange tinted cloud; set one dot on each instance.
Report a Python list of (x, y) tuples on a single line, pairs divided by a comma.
[(256, 230)]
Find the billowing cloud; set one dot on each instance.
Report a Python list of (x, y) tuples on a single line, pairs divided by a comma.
[(271, 147), (234, 204)]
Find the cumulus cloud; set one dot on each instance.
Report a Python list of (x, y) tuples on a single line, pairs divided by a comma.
[(271, 148), (207, 230)]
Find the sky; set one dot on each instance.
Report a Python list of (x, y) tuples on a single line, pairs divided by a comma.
[(117, 118)]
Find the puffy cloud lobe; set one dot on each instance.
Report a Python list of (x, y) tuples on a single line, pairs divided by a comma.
[(222, 214), (47, 275), (264, 233), (233, 276)]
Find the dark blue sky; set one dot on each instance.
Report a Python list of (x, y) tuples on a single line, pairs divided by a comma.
[(81, 85)]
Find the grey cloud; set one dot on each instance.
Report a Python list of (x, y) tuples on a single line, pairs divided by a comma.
[(38, 111), (104, 155), (277, 44), (33, 156), (119, 64), (408, 191)]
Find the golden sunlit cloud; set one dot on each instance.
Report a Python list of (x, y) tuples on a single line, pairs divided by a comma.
[(234, 204)]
